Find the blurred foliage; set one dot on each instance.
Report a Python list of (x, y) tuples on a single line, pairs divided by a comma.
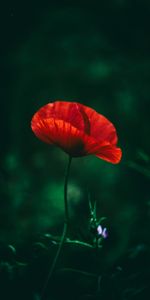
[(97, 55)]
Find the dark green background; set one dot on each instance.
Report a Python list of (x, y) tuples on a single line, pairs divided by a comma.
[(96, 53)]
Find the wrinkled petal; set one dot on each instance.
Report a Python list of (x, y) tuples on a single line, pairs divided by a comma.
[(62, 134), (100, 127), (110, 153), (103, 150), (77, 129), (61, 110)]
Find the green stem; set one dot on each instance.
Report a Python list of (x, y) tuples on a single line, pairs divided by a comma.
[(65, 228), (66, 191)]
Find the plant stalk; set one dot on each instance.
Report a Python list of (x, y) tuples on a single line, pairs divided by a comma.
[(65, 229)]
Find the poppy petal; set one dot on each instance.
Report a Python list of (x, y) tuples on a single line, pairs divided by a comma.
[(61, 110), (104, 150), (62, 134), (77, 129), (110, 153), (101, 128)]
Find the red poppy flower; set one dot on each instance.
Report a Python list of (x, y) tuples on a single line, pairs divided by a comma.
[(77, 129)]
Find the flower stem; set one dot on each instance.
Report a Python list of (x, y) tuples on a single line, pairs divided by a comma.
[(66, 191), (65, 228)]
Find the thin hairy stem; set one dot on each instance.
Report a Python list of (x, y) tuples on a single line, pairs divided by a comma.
[(65, 228), (66, 191)]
